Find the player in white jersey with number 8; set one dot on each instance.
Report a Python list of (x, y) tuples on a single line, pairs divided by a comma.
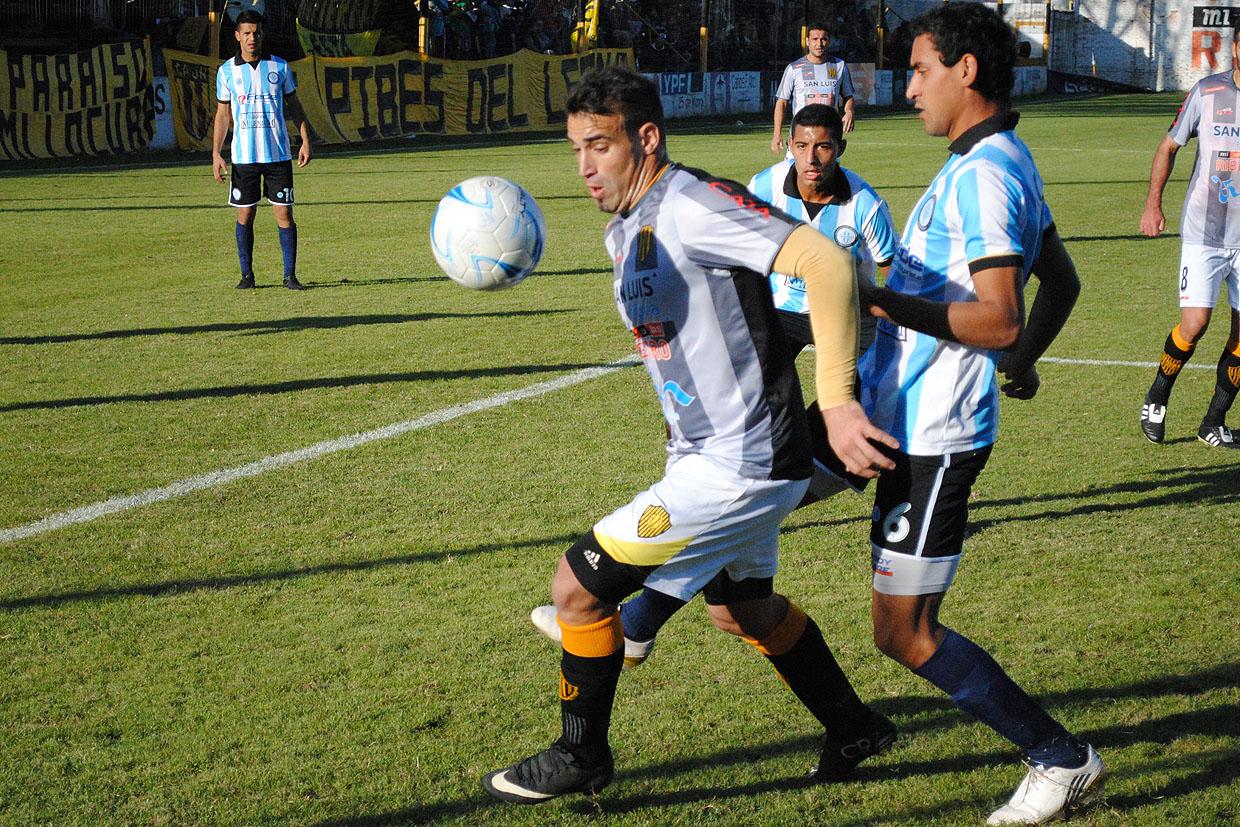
[(1210, 250)]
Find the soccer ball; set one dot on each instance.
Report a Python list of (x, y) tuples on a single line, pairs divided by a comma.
[(487, 233)]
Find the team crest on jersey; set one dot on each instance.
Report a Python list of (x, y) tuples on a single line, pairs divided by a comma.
[(654, 521), (273, 77), (845, 236), (647, 251), (926, 213)]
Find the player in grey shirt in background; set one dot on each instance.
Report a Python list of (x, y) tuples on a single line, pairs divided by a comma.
[(1210, 251)]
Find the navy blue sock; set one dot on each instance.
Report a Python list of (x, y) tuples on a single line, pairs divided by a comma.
[(980, 687), (245, 248), (288, 246), (644, 615)]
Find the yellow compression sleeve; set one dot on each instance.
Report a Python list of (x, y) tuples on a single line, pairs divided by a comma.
[(831, 290)]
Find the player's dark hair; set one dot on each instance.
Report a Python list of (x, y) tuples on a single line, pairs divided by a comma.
[(818, 25), (959, 28), (249, 16), (819, 114), (618, 90)]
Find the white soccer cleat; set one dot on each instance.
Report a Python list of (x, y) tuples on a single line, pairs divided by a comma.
[(545, 621), (1047, 794)]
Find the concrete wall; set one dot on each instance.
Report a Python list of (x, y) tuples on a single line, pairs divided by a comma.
[(1151, 44)]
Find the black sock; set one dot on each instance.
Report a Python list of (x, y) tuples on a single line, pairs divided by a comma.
[(1176, 352), (587, 692), (1226, 382), (810, 670)]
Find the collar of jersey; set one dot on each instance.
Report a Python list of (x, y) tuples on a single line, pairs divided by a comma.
[(642, 194), (238, 61), (993, 125)]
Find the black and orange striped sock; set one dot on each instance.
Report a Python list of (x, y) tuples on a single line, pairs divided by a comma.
[(798, 652), (589, 669), (1176, 352), (1226, 383)]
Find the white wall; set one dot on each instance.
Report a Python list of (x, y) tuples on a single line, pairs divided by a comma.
[(1151, 44)]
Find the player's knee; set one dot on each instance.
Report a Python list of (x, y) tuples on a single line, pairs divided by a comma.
[(1193, 323), (573, 602), (905, 647), (723, 620)]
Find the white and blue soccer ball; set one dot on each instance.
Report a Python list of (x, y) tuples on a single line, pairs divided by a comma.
[(488, 233)]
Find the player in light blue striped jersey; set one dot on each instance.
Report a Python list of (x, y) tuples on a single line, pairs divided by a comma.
[(255, 90), (953, 302)]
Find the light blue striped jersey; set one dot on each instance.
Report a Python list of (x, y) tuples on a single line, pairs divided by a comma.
[(984, 209), (256, 94), (862, 225)]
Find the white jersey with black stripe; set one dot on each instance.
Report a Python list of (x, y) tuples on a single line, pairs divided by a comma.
[(805, 82), (1211, 112), (691, 259)]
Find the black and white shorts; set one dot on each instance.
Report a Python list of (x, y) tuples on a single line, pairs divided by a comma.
[(250, 181), (921, 509)]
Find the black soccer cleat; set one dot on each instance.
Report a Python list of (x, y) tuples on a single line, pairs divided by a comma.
[(842, 753), (246, 283), (292, 283), (550, 774), (1153, 420), (1218, 436)]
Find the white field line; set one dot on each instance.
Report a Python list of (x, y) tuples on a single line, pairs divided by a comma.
[(211, 479), (320, 449)]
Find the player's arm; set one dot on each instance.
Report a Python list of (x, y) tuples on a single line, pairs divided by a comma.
[(1153, 221), (831, 292), (777, 139), (1058, 289), (993, 321), (218, 133), (847, 117), (296, 114)]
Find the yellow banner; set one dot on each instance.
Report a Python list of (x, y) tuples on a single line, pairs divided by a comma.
[(370, 98), (91, 103), (337, 44)]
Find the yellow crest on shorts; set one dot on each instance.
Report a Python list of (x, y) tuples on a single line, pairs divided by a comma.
[(568, 692), (654, 521)]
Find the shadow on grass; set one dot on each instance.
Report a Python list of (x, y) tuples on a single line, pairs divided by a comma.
[(273, 325), (171, 587), (1217, 768), (1178, 486), (297, 385)]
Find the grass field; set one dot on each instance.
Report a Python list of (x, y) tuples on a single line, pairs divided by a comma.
[(342, 639)]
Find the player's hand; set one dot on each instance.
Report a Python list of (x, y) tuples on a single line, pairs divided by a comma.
[(777, 145), (1023, 383), (848, 122), (303, 154), (1153, 221), (218, 168), (852, 437)]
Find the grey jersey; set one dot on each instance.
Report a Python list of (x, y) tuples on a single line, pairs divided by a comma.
[(1211, 112), (691, 259)]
